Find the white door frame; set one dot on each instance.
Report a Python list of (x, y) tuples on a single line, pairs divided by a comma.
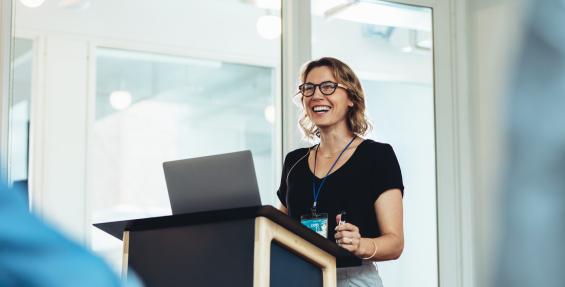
[(5, 84)]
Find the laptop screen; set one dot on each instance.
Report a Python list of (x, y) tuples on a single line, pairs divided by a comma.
[(214, 182)]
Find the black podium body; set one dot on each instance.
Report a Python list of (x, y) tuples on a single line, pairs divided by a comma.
[(253, 246)]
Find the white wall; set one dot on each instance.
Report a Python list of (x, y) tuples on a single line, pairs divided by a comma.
[(404, 117), (168, 25)]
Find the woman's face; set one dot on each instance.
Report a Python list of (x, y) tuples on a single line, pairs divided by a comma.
[(326, 110)]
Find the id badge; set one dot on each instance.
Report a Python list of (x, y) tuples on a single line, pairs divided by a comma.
[(316, 222)]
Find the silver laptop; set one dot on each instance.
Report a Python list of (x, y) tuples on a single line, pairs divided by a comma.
[(215, 182)]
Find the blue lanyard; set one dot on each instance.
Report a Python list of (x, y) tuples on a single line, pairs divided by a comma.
[(315, 190)]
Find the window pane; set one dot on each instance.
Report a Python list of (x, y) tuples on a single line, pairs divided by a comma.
[(152, 108), (185, 85), (389, 46)]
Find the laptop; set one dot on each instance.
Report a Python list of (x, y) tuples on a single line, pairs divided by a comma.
[(214, 182)]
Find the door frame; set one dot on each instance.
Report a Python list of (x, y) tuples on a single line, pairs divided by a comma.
[(6, 29)]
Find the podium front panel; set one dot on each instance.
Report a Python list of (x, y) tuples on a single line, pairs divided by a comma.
[(212, 254), (290, 269)]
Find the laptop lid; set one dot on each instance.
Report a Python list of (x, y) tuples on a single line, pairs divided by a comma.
[(214, 182)]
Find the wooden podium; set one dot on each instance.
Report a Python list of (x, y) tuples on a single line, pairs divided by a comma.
[(252, 246)]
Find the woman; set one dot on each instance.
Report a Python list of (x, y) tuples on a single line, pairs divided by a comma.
[(344, 172)]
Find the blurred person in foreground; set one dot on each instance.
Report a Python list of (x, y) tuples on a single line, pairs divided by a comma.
[(34, 254), (533, 231)]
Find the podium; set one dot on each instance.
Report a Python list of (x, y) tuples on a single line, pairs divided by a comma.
[(251, 246)]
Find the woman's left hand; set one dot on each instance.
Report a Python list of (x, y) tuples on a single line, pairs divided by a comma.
[(347, 236)]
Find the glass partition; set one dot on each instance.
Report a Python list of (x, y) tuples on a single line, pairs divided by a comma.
[(152, 108), (125, 85)]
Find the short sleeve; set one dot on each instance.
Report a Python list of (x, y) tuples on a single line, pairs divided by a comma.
[(389, 175), (392, 176)]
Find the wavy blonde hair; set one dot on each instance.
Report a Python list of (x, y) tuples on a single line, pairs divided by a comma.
[(357, 121)]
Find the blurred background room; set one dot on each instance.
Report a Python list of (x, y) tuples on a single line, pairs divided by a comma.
[(97, 94)]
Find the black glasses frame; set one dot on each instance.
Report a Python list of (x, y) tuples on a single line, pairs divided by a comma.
[(319, 86)]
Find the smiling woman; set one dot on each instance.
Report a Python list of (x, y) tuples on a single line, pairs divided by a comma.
[(341, 77), (347, 174)]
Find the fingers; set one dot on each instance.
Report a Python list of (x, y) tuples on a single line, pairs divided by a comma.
[(346, 234), (347, 238), (338, 218), (348, 241), (347, 227)]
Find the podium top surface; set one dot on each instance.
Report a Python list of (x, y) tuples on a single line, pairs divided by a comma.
[(343, 257)]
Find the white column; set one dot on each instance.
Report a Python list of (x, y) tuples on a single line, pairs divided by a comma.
[(64, 119), (296, 50)]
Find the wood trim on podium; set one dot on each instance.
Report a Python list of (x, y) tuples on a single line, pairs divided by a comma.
[(266, 231), (125, 255)]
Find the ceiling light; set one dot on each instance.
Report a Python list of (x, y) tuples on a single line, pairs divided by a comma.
[(120, 100), (382, 14), (74, 4), (270, 113), (269, 26), (269, 4), (425, 44), (407, 49), (32, 3)]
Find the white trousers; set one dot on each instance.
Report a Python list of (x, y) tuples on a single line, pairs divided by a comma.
[(365, 275)]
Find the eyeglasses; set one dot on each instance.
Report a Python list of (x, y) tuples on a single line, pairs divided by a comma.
[(326, 88)]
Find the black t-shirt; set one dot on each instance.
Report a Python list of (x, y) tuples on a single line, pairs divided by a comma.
[(353, 188)]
